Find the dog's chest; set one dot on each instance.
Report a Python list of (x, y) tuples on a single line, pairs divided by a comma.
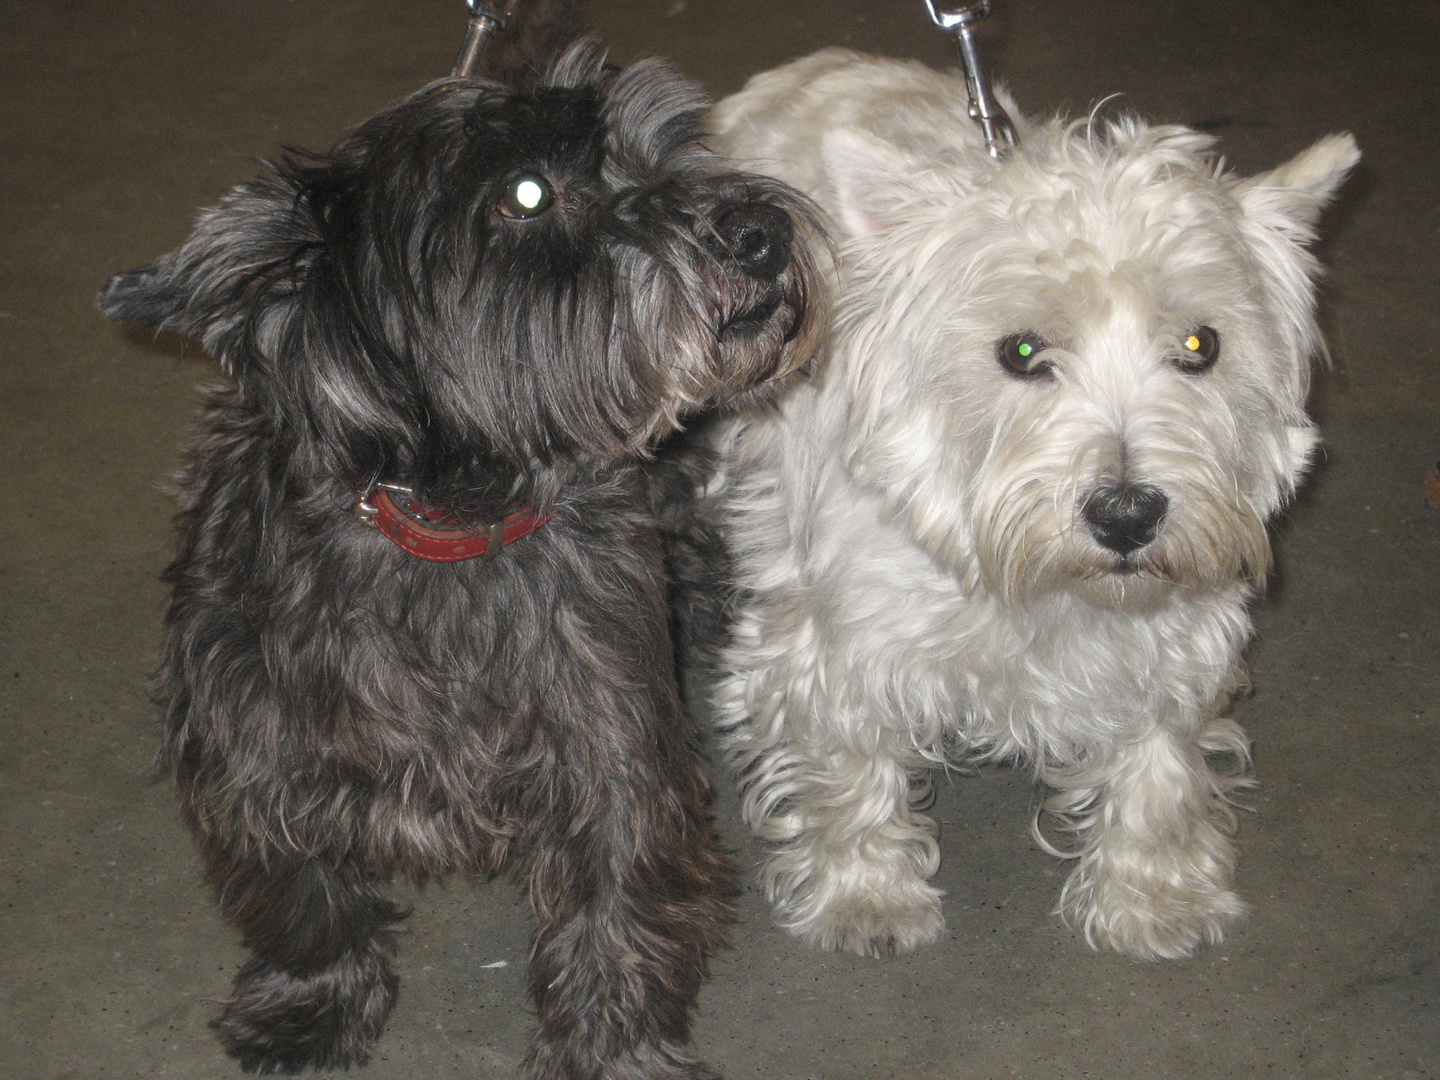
[(1058, 672)]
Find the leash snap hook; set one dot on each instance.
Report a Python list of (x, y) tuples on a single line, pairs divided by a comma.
[(959, 20), (486, 20)]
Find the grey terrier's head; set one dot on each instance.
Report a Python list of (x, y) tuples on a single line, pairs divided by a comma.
[(493, 277)]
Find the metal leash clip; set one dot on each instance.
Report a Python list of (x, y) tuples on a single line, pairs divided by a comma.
[(960, 20), (485, 21)]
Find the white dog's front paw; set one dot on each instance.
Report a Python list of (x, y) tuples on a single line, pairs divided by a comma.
[(876, 925), (859, 907), (1149, 919)]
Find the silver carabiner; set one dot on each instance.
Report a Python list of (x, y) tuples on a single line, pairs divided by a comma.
[(485, 21), (960, 20)]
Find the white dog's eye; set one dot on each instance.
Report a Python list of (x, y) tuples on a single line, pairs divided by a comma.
[(1201, 349), (528, 195), (1018, 352)]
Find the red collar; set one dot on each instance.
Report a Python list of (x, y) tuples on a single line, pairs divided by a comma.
[(435, 534)]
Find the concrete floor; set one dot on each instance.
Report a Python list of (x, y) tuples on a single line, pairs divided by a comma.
[(119, 120)]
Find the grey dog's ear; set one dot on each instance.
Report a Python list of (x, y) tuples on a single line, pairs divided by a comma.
[(245, 256)]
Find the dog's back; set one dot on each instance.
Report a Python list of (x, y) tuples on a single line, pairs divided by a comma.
[(779, 121)]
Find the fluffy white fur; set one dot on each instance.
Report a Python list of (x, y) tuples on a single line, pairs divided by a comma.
[(920, 584)]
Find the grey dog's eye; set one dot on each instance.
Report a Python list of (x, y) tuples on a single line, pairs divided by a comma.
[(1017, 354), (526, 196), (1200, 350)]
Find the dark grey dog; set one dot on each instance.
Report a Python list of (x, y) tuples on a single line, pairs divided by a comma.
[(419, 620)]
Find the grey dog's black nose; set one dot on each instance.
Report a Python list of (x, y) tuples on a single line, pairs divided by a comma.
[(1125, 517), (757, 236)]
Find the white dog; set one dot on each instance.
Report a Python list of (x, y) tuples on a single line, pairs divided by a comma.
[(1021, 512)]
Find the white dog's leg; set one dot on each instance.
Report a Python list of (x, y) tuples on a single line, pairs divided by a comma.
[(1155, 857), (834, 795)]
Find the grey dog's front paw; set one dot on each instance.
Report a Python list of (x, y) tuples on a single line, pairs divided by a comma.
[(280, 1023)]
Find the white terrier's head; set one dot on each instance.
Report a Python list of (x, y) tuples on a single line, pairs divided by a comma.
[(1084, 367)]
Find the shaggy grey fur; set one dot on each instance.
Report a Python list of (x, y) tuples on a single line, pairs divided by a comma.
[(337, 711)]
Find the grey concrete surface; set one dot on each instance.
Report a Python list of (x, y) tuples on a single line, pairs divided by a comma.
[(118, 120)]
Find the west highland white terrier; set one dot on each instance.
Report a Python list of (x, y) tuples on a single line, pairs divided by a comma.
[(1021, 513), (419, 620)]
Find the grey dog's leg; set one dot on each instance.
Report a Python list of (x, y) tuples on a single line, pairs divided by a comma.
[(630, 903), (319, 987)]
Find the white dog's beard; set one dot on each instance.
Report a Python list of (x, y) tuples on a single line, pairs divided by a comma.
[(1014, 510), (1030, 538)]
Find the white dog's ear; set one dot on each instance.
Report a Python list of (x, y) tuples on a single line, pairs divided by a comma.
[(1289, 198), (874, 181)]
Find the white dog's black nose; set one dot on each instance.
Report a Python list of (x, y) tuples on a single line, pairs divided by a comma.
[(1126, 517), (757, 236)]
